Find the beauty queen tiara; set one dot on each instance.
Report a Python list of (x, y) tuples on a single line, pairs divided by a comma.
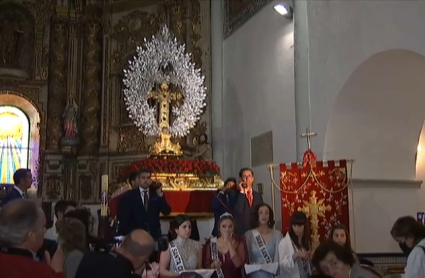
[(226, 214)]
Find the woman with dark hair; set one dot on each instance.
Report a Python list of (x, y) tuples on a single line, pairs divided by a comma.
[(294, 248), (183, 253), (72, 239), (224, 201), (340, 235), (226, 253), (335, 261), (410, 235), (263, 240)]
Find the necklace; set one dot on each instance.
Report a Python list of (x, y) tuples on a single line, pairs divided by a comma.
[(349, 273)]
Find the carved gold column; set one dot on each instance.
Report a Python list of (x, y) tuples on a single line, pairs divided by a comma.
[(90, 111), (57, 83)]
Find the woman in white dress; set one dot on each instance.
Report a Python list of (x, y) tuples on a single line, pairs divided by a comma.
[(183, 254), (263, 240), (295, 250)]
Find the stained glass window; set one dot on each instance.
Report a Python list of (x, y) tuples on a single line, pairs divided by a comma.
[(14, 142)]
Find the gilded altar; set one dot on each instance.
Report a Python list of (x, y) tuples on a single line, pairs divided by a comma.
[(67, 60)]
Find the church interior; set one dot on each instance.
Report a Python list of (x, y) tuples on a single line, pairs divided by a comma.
[(337, 86)]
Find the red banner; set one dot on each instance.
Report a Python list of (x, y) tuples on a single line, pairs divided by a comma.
[(320, 191)]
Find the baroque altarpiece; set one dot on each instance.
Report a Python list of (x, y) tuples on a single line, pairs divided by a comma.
[(61, 67)]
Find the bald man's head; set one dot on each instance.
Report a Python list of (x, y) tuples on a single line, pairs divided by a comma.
[(138, 244), (22, 224)]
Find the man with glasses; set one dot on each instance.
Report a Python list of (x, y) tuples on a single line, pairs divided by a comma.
[(247, 199)]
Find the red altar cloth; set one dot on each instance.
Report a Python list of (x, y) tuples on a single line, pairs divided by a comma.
[(321, 190), (196, 203)]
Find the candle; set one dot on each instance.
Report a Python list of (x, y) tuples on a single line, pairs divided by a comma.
[(104, 196)]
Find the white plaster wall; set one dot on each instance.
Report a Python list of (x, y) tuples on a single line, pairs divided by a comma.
[(343, 34), (378, 115), (258, 96), (373, 210), (371, 115)]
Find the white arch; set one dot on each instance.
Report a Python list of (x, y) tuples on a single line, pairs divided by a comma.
[(378, 115)]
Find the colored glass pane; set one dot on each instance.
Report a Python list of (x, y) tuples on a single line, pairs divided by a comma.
[(14, 142)]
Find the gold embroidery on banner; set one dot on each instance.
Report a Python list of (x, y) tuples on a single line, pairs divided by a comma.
[(315, 209)]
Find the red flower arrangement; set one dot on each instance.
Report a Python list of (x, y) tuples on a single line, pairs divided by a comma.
[(171, 166)]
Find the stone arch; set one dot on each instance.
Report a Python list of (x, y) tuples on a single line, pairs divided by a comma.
[(378, 115), (10, 98)]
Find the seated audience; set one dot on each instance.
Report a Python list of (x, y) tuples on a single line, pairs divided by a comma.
[(335, 261), (61, 207), (295, 248), (341, 236), (411, 237), (22, 228), (227, 252), (187, 253), (87, 219), (72, 239), (127, 260), (263, 234)]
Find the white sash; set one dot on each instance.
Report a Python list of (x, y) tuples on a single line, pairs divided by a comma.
[(262, 246), (176, 257), (214, 256)]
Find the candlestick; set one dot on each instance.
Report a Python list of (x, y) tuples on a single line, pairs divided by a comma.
[(104, 196)]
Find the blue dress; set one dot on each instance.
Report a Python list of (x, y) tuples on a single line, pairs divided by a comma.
[(255, 256)]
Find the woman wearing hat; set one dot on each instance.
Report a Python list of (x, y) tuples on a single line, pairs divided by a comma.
[(295, 250)]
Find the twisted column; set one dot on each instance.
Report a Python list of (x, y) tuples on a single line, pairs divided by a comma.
[(57, 84), (90, 111)]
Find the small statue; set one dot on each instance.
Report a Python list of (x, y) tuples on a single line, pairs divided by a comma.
[(70, 119), (203, 149)]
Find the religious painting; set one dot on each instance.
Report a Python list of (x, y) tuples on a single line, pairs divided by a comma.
[(237, 12), (14, 142)]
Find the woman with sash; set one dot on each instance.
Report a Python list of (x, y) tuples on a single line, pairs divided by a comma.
[(295, 250), (263, 241), (183, 254), (226, 253)]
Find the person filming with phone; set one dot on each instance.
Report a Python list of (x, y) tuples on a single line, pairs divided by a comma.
[(140, 207), (246, 200)]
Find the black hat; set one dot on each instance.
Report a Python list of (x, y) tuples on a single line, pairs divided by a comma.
[(298, 218)]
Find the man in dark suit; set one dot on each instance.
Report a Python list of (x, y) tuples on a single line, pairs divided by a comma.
[(140, 207), (23, 180), (247, 199)]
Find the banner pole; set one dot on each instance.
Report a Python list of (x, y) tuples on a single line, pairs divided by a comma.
[(273, 189)]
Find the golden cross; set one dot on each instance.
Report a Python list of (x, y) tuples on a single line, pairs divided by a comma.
[(308, 134), (164, 97), (315, 209)]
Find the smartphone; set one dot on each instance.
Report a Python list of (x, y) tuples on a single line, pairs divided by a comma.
[(155, 185)]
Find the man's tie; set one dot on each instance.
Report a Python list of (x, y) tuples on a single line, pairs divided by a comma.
[(145, 199), (24, 195), (250, 197)]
